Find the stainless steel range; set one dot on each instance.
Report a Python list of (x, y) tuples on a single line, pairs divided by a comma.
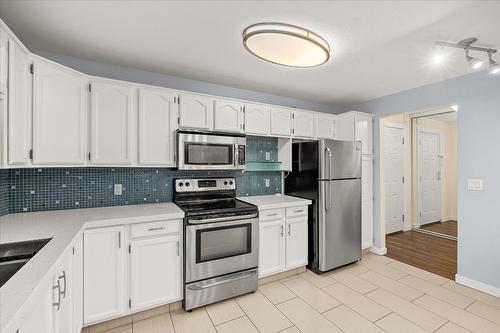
[(221, 241)]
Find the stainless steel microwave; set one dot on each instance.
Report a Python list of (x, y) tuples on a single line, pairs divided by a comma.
[(210, 151)]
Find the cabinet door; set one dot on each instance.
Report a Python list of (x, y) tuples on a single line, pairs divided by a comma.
[(281, 122), (228, 116), (78, 284), (344, 127), (63, 295), (111, 115), (4, 61), (325, 126), (364, 132), (39, 314), (157, 125), (59, 115), (104, 274), (19, 106), (155, 271), (303, 124), (272, 247), (257, 119), (366, 200), (296, 242), (195, 112)]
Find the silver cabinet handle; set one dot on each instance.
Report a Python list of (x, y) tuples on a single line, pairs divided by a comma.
[(178, 248), (155, 229), (275, 214), (281, 230), (289, 232), (119, 239), (58, 287), (299, 211), (63, 276)]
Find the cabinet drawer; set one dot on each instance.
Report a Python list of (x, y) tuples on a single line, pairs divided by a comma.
[(271, 214), (296, 211), (154, 228)]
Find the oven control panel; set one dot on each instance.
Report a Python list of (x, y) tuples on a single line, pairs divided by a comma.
[(205, 184)]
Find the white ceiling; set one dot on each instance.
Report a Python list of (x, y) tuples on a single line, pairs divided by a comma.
[(379, 47)]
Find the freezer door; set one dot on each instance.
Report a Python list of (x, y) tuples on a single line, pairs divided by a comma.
[(339, 159), (339, 232)]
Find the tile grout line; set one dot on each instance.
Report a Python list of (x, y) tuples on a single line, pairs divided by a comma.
[(284, 302)]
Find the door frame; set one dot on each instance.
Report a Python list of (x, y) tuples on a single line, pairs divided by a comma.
[(419, 130), (404, 127)]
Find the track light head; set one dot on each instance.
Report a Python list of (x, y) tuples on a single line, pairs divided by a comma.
[(494, 67), (475, 63)]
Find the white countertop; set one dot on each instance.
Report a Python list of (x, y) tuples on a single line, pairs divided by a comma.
[(62, 226), (275, 201)]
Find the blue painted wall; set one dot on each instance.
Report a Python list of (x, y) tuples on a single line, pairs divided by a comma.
[(478, 130), (145, 77)]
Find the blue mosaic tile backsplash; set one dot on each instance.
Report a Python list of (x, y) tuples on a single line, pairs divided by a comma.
[(28, 190)]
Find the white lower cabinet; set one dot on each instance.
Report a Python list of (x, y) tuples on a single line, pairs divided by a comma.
[(155, 271), (62, 295), (104, 274), (283, 241), (39, 314)]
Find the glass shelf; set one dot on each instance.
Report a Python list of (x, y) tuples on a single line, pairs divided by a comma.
[(263, 166)]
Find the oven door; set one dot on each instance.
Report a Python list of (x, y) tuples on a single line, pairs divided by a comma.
[(198, 151), (221, 246)]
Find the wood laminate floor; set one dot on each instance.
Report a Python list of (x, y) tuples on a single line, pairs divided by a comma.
[(433, 254), (446, 227)]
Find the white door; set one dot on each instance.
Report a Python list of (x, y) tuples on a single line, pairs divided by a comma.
[(228, 116), (272, 247), (111, 116), (155, 271), (4, 61), (63, 295), (19, 106), (366, 201), (325, 126), (281, 122), (303, 124), (257, 119), (363, 130), (195, 112), (104, 274), (393, 178), (59, 115), (157, 125), (296, 242), (429, 167)]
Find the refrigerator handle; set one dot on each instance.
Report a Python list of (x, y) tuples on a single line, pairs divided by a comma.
[(329, 190), (327, 150)]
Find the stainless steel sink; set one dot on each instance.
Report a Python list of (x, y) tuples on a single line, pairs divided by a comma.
[(13, 256)]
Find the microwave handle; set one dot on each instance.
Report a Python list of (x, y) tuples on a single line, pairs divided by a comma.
[(235, 154)]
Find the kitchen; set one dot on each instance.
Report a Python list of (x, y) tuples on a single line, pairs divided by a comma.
[(129, 204)]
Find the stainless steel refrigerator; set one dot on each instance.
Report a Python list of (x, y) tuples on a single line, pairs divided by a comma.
[(329, 173)]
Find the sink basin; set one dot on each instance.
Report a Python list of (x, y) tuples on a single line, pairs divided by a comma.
[(13, 256)]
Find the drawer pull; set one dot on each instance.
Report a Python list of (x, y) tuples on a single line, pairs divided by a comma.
[(274, 214), (155, 229), (299, 211)]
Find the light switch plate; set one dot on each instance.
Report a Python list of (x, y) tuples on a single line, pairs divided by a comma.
[(267, 182), (474, 184), (118, 189), (268, 155)]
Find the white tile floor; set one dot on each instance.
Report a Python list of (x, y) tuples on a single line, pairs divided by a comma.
[(376, 295)]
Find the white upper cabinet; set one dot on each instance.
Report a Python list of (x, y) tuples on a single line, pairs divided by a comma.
[(112, 122), (228, 116), (19, 105), (325, 126), (257, 119), (303, 124), (157, 125), (4, 60), (344, 127), (363, 131), (104, 274), (60, 105), (281, 122), (195, 112)]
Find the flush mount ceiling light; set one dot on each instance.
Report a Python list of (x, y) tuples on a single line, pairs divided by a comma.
[(475, 63), (286, 44)]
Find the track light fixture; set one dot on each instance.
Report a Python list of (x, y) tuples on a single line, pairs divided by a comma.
[(475, 63)]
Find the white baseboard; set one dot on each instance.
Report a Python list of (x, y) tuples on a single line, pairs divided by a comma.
[(407, 228), (449, 218), (366, 246), (485, 288), (378, 250)]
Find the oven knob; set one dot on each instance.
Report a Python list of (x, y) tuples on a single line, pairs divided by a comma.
[(181, 184), (187, 184), (230, 182), (225, 182)]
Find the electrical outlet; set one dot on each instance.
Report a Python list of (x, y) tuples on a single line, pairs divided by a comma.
[(474, 184), (267, 182), (268, 155), (118, 189)]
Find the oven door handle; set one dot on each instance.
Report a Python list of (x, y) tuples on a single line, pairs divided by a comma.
[(231, 278), (223, 219)]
